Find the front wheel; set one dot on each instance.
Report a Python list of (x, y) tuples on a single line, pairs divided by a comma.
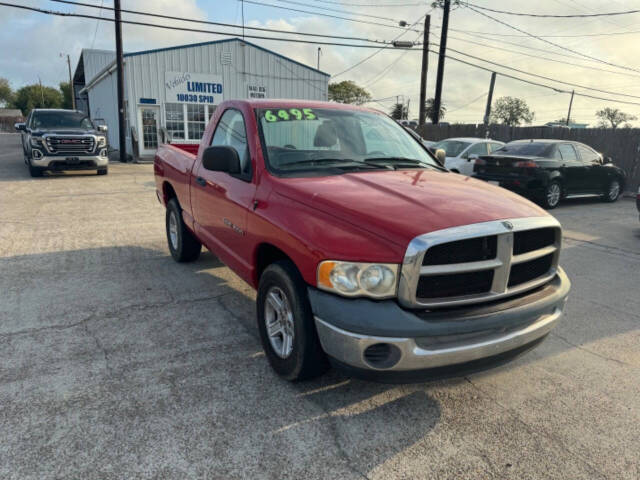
[(184, 247), (286, 325), (612, 192), (103, 171), (552, 195), (35, 171)]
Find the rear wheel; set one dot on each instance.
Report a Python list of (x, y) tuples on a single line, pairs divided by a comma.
[(184, 247), (552, 195), (612, 192), (286, 324)]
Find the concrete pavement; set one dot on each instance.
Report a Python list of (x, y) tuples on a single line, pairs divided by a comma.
[(116, 362)]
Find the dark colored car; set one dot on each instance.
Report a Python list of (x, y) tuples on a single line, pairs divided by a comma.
[(56, 139), (548, 170)]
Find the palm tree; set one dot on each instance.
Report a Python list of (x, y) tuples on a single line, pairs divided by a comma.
[(430, 109)]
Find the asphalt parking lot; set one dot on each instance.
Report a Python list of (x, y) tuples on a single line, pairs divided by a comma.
[(116, 362)]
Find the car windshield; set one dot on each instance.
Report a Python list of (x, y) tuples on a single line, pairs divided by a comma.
[(452, 148), (50, 120), (534, 149), (302, 140)]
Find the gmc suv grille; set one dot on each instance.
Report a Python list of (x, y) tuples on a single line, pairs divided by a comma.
[(479, 262), (70, 144)]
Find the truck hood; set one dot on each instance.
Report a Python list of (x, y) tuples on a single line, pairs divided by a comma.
[(60, 131), (400, 205)]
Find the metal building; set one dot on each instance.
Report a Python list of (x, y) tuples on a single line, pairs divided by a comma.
[(171, 93)]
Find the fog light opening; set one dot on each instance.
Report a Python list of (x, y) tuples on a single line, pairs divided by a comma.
[(37, 154), (103, 152), (382, 355)]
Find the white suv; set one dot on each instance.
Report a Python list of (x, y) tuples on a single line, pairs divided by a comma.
[(460, 152)]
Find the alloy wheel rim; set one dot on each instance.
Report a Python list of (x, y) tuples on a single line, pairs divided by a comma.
[(553, 194), (173, 230), (614, 190), (278, 318)]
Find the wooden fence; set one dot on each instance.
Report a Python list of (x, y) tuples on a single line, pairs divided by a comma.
[(621, 144)]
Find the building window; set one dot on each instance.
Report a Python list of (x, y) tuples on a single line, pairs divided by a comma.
[(211, 110), (175, 120), (196, 122)]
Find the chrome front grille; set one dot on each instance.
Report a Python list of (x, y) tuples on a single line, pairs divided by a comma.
[(479, 262), (70, 144)]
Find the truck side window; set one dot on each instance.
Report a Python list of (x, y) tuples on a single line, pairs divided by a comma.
[(231, 132)]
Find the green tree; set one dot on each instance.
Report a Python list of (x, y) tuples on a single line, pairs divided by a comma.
[(613, 117), (37, 96), (348, 92), (399, 111), (66, 95), (6, 94), (430, 109), (511, 111)]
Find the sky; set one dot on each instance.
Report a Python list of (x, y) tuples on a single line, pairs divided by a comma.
[(35, 45)]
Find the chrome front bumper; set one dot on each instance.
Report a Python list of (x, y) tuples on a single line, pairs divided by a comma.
[(482, 336), (85, 162)]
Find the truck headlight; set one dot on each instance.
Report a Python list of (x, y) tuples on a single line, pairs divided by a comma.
[(352, 279), (102, 141), (35, 141)]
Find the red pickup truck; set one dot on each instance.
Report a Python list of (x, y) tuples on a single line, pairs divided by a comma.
[(365, 252)]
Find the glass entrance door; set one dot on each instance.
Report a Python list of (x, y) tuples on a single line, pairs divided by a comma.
[(148, 128)]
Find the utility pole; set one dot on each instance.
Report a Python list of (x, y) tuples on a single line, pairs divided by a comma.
[(73, 93), (406, 115), (570, 104), (443, 49), (425, 66), (120, 80), (487, 111), (41, 93), (319, 53)]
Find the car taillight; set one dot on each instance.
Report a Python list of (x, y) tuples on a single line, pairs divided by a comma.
[(479, 161), (526, 164)]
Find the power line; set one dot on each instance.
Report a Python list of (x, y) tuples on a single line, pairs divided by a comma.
[(577, 35), (564, 62), (184, 29), (345, 12), (95, 32), (379, 50), (208, 22), (539, 15), (263, 4), (608, 92), (383, 72), (551, 43), (484, 94), (375, 4)]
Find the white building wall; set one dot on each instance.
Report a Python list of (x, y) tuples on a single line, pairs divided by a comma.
[(104, 106), (95, 61)]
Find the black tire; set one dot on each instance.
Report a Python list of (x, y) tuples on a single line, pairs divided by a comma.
[(306, 358), (612, 192), (184, 247), (35, 171), (103, 171), (552, 195)]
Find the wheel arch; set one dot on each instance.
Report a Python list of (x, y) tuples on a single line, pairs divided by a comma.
[(168, 192), (266, 254)]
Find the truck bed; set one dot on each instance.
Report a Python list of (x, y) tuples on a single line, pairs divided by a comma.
[(172, 166)]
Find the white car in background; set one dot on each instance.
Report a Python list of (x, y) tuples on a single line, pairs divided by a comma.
[(460, 152)]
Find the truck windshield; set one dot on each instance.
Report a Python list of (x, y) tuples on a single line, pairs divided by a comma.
[(51, 120), (301, 140)]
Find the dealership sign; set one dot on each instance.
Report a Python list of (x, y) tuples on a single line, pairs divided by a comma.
[(185, 87), (256, 91)]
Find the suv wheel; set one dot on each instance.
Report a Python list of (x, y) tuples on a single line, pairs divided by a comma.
[(285, 321), (184, 247), (552, 195), (612, 192)]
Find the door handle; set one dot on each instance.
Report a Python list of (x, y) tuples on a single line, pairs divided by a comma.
[(201, 181)]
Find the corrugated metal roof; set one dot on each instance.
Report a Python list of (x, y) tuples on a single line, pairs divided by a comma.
[(225, 40)]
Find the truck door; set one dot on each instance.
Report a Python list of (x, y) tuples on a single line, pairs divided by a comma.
[(222, 201)]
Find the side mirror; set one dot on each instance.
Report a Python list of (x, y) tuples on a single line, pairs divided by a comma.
[(441, 155), (221, 159), (606, 160), (103, 128), (473, 157), (20, 126)]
